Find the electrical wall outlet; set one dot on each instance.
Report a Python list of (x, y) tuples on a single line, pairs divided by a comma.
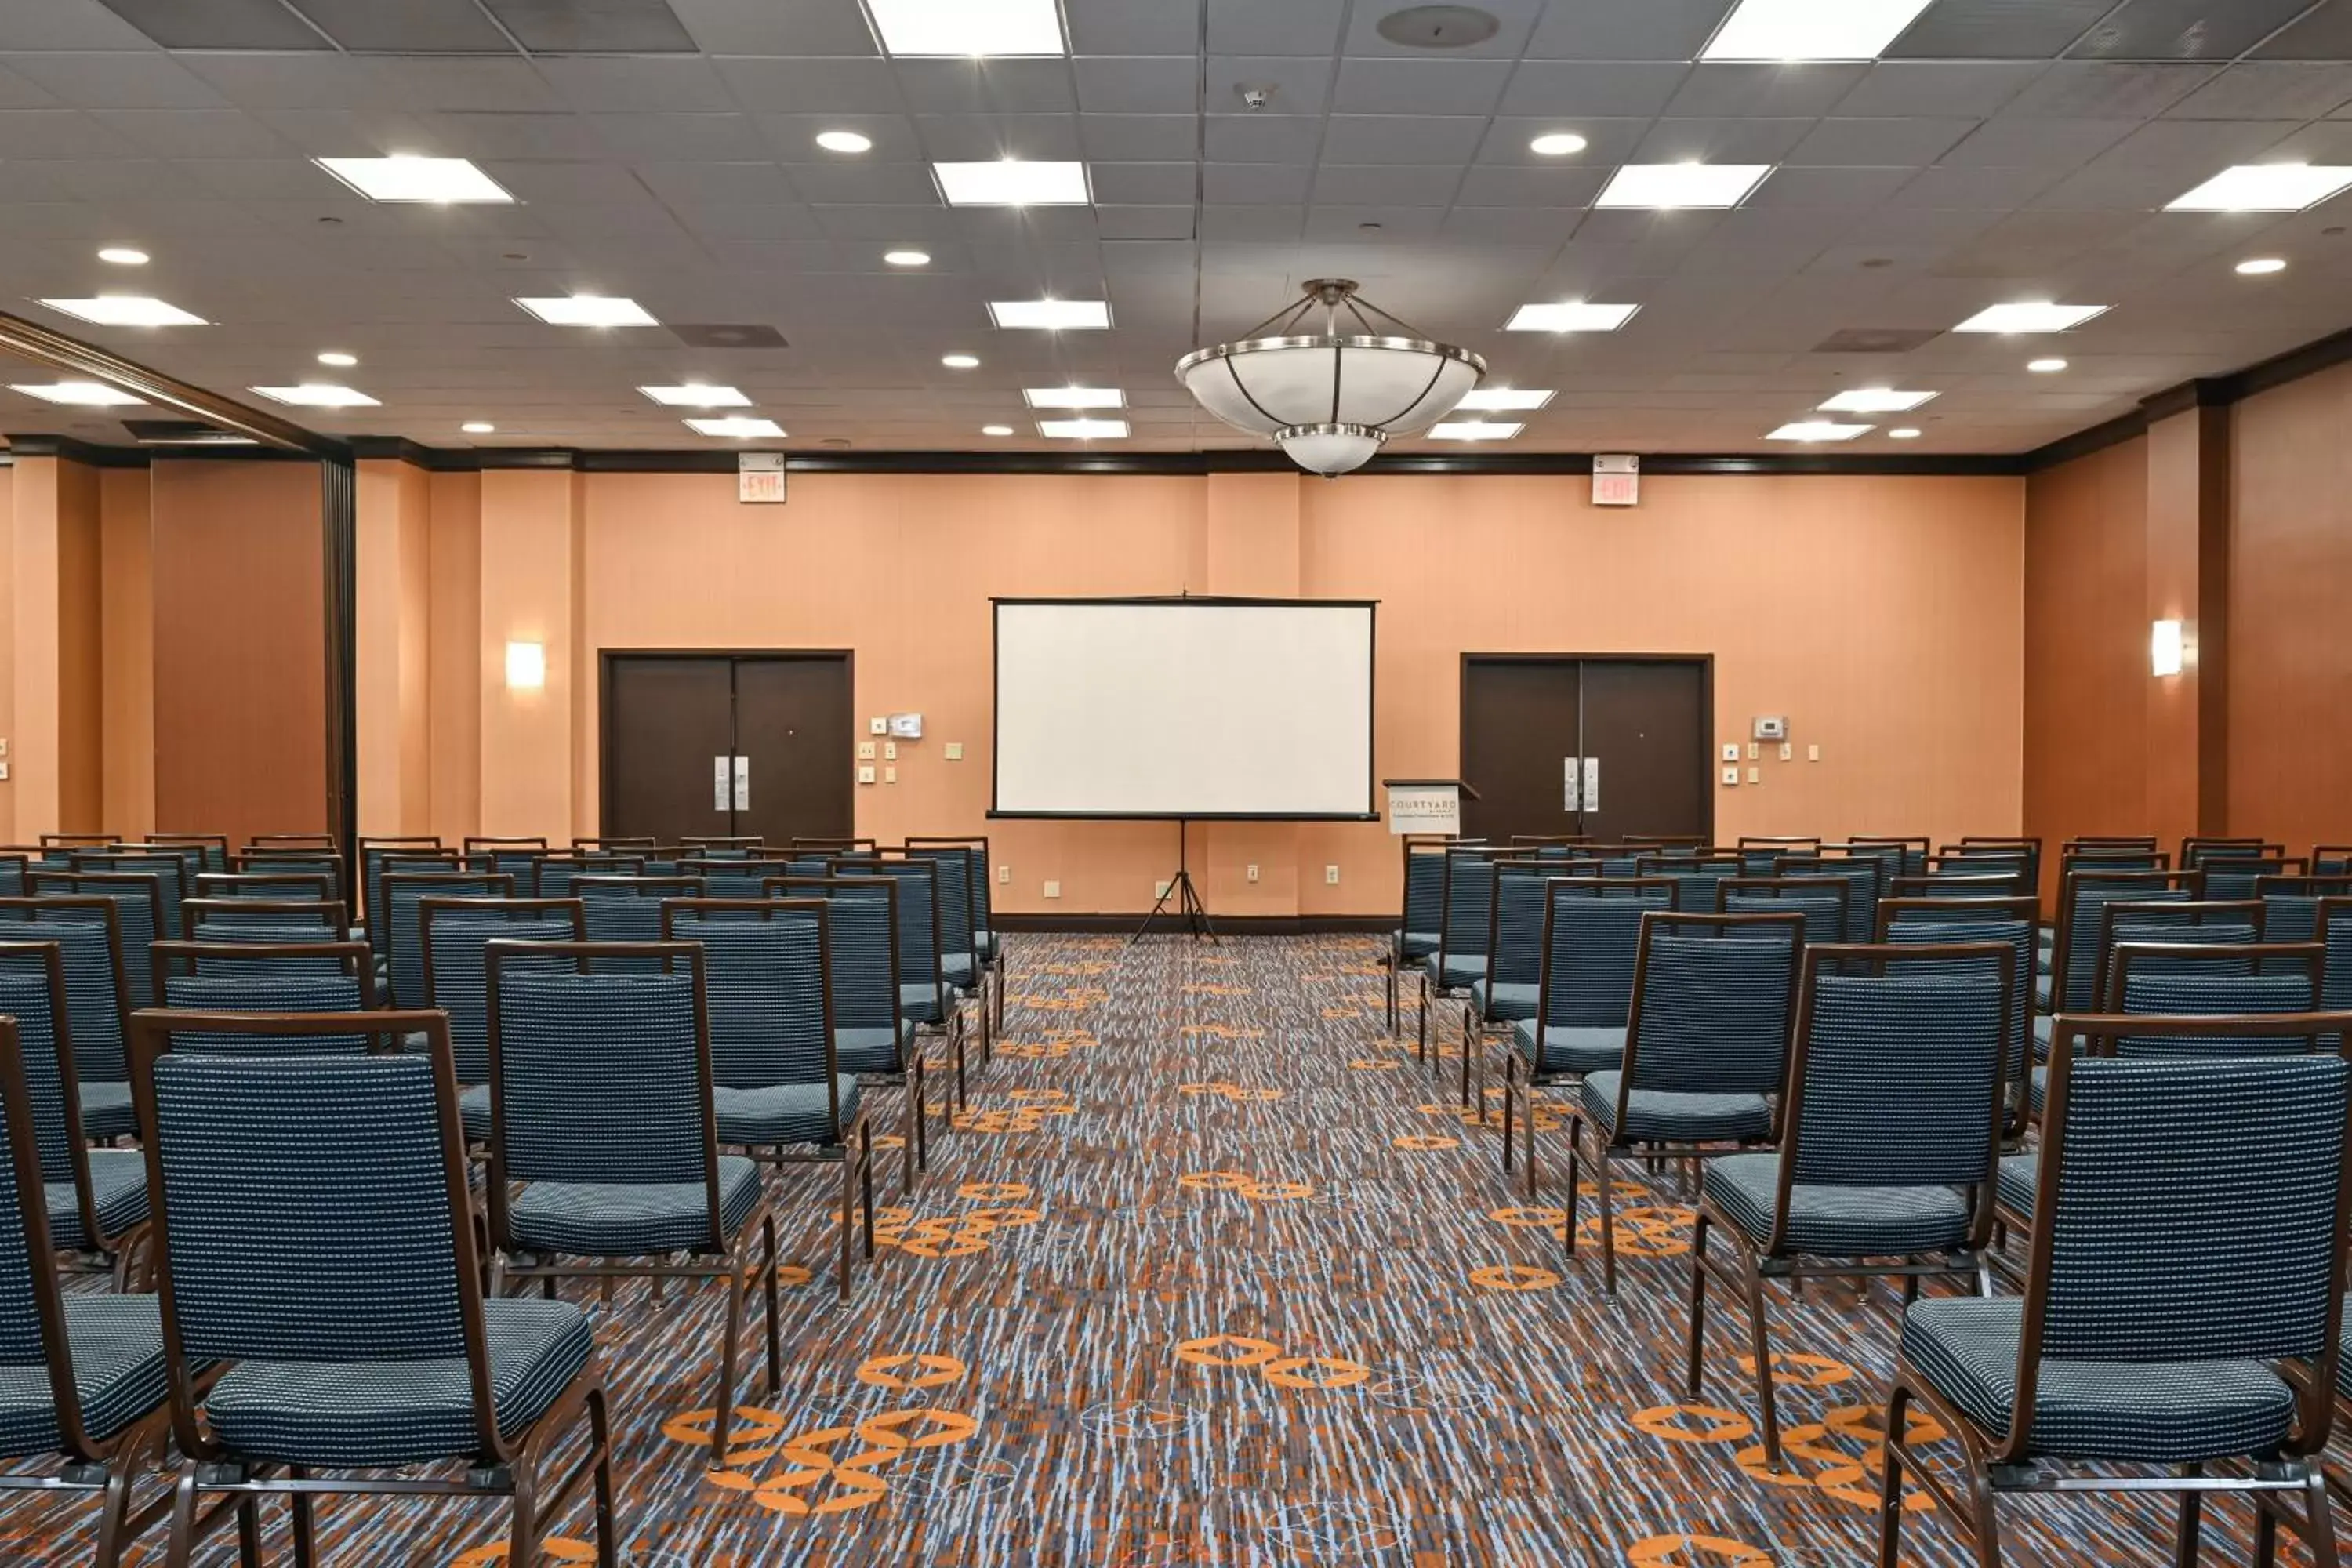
[(1052, 889), (955, 751), (1812, 753), (1252, 870), (1331, 876), (889, 751), (1004, 876), (1159, 890), (1731, 750), (866, 775), (865, 751), (4, 773), (877, 726), (1730, 777), (1756, 775), (890, 775)]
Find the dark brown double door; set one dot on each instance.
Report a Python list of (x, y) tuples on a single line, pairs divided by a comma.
[(728, 745), (1602, 747)]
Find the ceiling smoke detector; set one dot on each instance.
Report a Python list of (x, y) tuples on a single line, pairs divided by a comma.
[(1254, 98), (1438, 27)]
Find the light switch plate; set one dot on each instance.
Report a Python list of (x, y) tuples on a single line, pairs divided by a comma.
[(1052, 889), (955, 751), (1004, 876), (890, 775), (1158, 890), (1331, 876), (1812, 753), (889, 751), (866, 775), (1752, 751), (877, 726), (4, 773), (1756, 775), (1731, 750), (865, 751), (1787, 750), (1252, 870), (1730, 777)]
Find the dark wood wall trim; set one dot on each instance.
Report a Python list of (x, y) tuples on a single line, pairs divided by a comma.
[(339, 554)]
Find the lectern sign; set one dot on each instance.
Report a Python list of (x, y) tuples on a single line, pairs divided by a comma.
[(1425, 808)]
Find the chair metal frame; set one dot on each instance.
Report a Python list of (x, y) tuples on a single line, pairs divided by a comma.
[(1774, 1259), (1476, 850), (983, 868), (951, 1023), (510, 1469), (730, 1261), (2004, 1467)]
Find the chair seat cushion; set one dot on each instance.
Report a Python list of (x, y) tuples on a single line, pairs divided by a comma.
[(1414, 943), (117, 1366), (2041, 993), (106, 1110), (1660, 1115), (2046, 1029), (957, 967), (1461, 969), (784, 1112), (2167, 1412), (984, 943), (631, 1219), (1570, 1049), (474, 1111), (2038, 1087), (339, 1413), (2018, 1181), (872, 1051), (921, 1003), (1836, 1222), (118, 1190), (1510, 999)]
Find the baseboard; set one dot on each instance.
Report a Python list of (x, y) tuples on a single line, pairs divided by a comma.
[(1227, 925)]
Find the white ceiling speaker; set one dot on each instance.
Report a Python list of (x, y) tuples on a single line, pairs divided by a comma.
[(1438, 27), (1330, 399)]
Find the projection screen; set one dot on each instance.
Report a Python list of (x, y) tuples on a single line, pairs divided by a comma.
[(1184, 707)]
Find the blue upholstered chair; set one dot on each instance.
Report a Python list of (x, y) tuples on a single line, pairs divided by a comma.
[(604, 1150), (1465, 906), (2291, 904), (1513, 984), (926, 999), (379, 856), (1416, 934), (2331, 859), (780, 1089), (2074, 985), (81, 1374), (97, 1198), (1861, 877), (88, 934), (264, 921), (959, 962), (254, 977), (517, 857), (1910, 852), (732, 874), (1821, 899), (321, 1305), (1937, 922), (552, 873), (988, 942), (1759, 853), (173, 872), (1890, 1128), (871, 1038), (742, 847), (2181, 1310), (138, 910), (13, 868), (211, 848), (285, 859), (1695, 874), (451, 936), (402, 945), (1592, 943), (1707, 1050), (275, 888)]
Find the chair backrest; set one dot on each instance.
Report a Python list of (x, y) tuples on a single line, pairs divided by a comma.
[(33, 991), (2200, 922), (2229, 875), (2291, 904), (262, 919), (272, 887), (2014, 868), (613, 844), (551, 874), (2172, 1189), (308, 1207), (32, 1317), (1424, 885), (1514, 922), (324, 863), (270, 841), (212, 848), (451, 936), (1592, 941), (1897, 1076), (89, 935), (919, 917), (1860, 874), (174, 873), (726, 876), (768, 968), (2196, 846), (2074, 957), (245, 978), (1822, 898), (2333, 927), (628, 909), (958, 918), (514, 856), (1759, 852), (861, 948), (1467, 907), (2233, 980), (376, 858), (1910, 853), (2331, 859), (1710, 1013), (599, 1076), (1693, 872), (139, 907), (1932, 922), (739, 847), (404, 946)]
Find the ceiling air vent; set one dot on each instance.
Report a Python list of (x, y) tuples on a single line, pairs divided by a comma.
[(184, 433), (723, 335), (1438, 27), (1876, 340)]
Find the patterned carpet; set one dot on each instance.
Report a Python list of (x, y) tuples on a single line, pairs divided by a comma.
[(1215, 1274)]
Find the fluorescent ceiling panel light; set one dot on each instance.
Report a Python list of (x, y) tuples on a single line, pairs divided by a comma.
[(1083, 429), (123, 256), (1874, 400), (2029, 316), (407, 179), (1819, 430), (996, 429), (1506, 399), (1013, 182), (339, 359), (1474, 430), (844, 142), (960, 362), (736, 425), (79, 394), (1906, 433), (2045, 366), (1075, 397), (1811, 29), (588, 311), (1051, 315), (126, 310), (478, 427), (318, 394), (694, 394), (971, 27), (1571, 316), (2261, 265), (1556, 144), (1670, 185), (2265, 187), (908, 258)]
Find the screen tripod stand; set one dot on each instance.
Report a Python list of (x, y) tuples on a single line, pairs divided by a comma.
[(1188, 911)]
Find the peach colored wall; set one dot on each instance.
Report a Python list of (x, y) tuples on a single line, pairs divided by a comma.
[(55, 756), (454, 653), (393, 521), (240, 661), (8, 643), (2086, 593), (2290, 670), (126, 678), (1884, 617)]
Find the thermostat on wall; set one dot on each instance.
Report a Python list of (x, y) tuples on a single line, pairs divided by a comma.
[(1771, 727), (907, 726)]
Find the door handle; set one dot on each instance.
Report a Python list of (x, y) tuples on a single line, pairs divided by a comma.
[(721, 777), (743, 784), (1592, 783)]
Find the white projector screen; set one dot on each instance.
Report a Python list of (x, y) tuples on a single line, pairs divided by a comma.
[(1184, 707)]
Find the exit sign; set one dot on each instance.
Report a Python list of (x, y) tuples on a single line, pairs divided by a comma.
[(1616, 480)]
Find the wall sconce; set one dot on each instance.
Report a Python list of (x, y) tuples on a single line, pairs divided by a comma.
[(2164, 648), (526, 666)]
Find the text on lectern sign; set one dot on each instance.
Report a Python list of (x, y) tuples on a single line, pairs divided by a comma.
[(1424, 808)]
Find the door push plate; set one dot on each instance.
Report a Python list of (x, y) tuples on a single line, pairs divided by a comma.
[(1573, 768), (743, 784), (722, 782), (1592, 783)]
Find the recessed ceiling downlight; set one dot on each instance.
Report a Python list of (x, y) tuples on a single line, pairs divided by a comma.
[(1438, 27)]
